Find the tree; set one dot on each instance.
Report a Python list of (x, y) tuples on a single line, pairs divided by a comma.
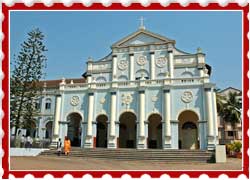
[(229, 108), (27, 70), (220, 102), (232, 110)]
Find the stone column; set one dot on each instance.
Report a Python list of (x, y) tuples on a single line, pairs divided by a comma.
[(89, 79), (215, 115), (167, 118), (131, 67), (57, 117), (112, 136), (89, 140), (171, 63), (114, 68), (201, 72), (152, 64), (210, 122), (141, 140)]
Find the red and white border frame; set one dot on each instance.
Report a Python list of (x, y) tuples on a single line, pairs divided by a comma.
[(118, 6)]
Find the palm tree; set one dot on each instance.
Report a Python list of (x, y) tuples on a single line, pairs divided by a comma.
[(232, 110), (220, 102)]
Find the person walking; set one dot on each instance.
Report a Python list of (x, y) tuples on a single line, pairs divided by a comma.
[(59, 147), (29, 142), (23, 141), (67, 145)]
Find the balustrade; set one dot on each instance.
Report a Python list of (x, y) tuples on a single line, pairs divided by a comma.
[(136, 83)]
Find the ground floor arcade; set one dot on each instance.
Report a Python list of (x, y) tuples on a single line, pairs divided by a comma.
[(188, 129)]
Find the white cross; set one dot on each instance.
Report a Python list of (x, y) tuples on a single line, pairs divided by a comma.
[(142, 23)]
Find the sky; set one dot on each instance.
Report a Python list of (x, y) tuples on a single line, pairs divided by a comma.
[(73, 36)]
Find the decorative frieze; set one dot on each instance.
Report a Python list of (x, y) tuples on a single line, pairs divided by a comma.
[(187, 96), (75, 100), (141, 60), (123, 65), (127, 99), (161, 62)]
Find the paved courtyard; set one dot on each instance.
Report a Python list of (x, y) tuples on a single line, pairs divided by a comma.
[(73, 163)]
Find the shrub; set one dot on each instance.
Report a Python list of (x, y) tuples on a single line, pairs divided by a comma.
[(237, 146)]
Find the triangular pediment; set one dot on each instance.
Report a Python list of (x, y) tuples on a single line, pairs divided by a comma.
[(141, 37)]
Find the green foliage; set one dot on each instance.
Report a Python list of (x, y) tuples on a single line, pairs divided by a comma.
[(27, 71), (235, 146), (229, 108), (232, 112)]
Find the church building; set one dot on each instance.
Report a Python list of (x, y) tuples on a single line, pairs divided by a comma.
[(145, 94)]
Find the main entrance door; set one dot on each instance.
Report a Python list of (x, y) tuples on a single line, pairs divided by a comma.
[(127, 131), (188, 132), (101, 134), (74, 129), (155, 131)]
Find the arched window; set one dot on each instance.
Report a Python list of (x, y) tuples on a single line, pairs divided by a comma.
[(122, 78), (48, 104), (101, 79), (142, 73)]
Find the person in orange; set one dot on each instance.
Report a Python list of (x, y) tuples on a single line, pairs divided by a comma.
[(67, 145)]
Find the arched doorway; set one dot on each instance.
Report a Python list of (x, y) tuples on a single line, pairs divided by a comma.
[(155, 131), (48, 132), (74, 129), (188, 131), (101, 131), (127, 131)]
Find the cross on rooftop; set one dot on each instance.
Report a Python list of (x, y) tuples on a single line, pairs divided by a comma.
[(142, 23)]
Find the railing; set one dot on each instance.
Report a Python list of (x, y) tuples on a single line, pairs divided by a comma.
[(137, 83)]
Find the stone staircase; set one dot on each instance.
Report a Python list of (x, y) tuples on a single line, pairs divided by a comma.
[(139, 154)]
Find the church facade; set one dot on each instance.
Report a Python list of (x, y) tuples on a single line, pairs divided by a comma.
[(145, 94)]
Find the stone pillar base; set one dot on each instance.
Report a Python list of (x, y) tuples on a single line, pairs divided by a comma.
[(141, 143), (211, 140), (166, 146), (53, 144), (54, 141), (141, 146), (88, 142), (112, 142), (210, 147)]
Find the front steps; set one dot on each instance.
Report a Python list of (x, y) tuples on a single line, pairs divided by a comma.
[(139, 154)]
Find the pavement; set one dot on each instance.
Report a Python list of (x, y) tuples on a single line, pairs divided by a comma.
[(73, 163)]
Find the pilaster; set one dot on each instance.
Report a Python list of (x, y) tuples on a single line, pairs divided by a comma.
[(112, 132), (210, 119), (171, 63), (167, 118), (152, 64), (131, 67), (114, 68), (89, 136), (141, 143)]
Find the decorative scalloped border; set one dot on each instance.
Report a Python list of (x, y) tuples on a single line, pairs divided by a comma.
[(124, 5)]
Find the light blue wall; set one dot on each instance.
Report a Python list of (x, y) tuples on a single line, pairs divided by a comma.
[(145, 67), (123, 73), (100, 77), (159, 72), (186, 72)]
